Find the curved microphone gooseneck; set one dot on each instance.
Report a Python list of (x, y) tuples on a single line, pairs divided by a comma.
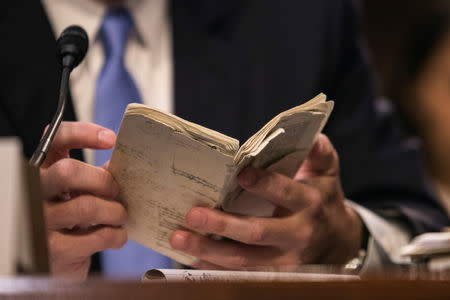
[(71, 48)]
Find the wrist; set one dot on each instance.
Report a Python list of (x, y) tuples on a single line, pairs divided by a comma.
[(356, 261), (357, 238)]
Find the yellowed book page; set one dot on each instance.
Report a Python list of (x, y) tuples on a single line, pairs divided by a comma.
[(289, 143), (162, 174), (316, 105), (221, 142)]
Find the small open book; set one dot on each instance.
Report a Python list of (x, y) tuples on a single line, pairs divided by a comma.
[(166, 165)]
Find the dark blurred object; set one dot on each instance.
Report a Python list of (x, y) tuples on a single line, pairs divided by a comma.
[(401, 36), (410, 45)]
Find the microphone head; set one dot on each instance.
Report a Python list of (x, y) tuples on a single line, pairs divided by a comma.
[(72, 46)]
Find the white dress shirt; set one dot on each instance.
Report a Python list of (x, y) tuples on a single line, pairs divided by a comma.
[(147, 57)]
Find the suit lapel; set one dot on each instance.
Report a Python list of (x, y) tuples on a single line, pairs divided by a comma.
[(33, 77)]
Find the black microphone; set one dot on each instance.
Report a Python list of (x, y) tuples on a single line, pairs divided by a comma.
[(71, 47)]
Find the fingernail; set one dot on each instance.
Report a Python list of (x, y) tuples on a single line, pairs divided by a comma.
[(106, 136), (249, 177), (195, 219), (179, 240)]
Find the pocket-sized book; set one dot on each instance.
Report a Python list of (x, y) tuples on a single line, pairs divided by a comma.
[(165, 165)]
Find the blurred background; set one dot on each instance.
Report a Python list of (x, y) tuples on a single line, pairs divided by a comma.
[(408, 43)]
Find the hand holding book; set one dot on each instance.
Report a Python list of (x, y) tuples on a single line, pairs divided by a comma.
[(181, 181), (81, 215), (303, 219), (311, 224)]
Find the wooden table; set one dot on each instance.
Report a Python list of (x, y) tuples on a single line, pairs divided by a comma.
[(377, 289)]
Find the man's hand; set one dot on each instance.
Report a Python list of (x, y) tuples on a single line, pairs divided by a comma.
[(81, 216), (311, 223)]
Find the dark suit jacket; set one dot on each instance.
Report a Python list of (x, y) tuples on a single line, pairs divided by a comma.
[(237, 64)]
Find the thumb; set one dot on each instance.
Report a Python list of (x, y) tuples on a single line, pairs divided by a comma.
[(106, 165), (78, 135), (321, 160)]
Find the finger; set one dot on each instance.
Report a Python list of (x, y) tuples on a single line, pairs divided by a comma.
[(106, 165), (277, 189), (77, 135), (248, 230), (321, 160), (77, 270), (66, 247), (84, 211), (227, 254), (70, 175)]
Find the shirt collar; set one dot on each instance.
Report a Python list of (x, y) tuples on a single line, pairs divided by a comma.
[(148, 16), (86, 13)]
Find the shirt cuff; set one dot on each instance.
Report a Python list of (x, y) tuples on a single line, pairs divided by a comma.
[(387, 236)]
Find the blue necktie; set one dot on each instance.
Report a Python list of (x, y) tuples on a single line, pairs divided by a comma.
[(115, 89)]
